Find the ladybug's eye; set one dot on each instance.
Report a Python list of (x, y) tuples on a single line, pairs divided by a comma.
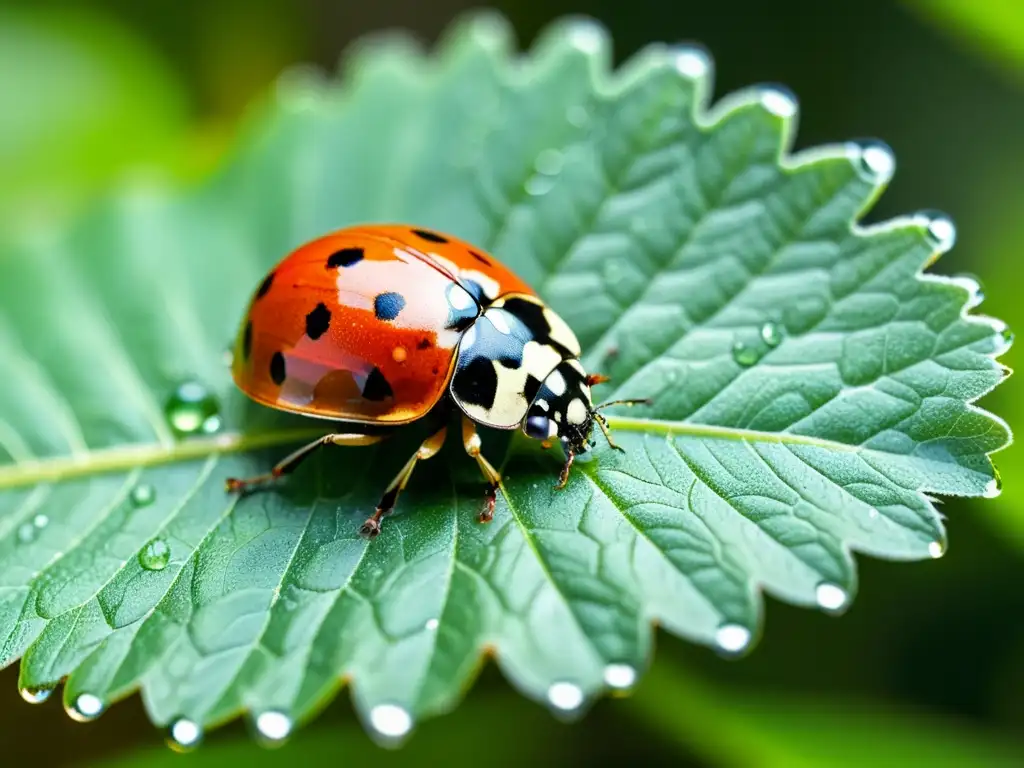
[(537, 427)]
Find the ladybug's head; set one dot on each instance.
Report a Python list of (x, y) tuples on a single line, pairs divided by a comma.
[(563, 408)]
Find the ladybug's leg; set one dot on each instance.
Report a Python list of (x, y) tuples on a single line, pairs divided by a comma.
[(471, 442), (288, 464), (427, 449)]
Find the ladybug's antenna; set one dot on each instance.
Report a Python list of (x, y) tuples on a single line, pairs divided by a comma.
[(631, 401)]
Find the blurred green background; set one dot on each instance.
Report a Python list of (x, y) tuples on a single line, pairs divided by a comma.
[(927, 666)]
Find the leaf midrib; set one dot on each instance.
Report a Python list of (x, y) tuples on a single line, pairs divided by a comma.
[(136, 455)]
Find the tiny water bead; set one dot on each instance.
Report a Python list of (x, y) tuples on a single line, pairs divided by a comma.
[(732, 638), (875, 161), (432, 624), (193, 409), (538, 185), (778, 101), (35, 695), (27, 533), (994, 487), (771, 334), (565, 697), (586, 36), (831, 597), (273, 727), (390, 720), (619, 676), (142, 495), (936, 549), (155, 555), (692, 62), (185, 734), (745, 354), (941, 231), (86, 708)]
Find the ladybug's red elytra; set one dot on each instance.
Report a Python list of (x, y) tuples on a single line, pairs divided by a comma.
[(378, 326)]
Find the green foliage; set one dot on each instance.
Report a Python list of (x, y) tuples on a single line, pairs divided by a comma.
[(83, 100), (994, 29), (811, 389)]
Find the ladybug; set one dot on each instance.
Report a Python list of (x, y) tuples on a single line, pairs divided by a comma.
[(380, 326)]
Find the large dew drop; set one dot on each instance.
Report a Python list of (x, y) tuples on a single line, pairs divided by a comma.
[(831, 597), (390, 721), (745, 354), (155, 555), (732, 638), (565, 697), (620, 677), (771, 334), (192, 410), (875, 161), (273, 727), (86, 708), (184, 735), (142, 495)]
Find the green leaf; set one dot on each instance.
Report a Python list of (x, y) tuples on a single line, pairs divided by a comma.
[(82, 100), (736, 727), (811, 389)]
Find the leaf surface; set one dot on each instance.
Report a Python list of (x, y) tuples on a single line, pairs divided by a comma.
[(811, 390)]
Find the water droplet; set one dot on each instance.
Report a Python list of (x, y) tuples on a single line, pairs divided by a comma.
[(994, 487), (549, 162), (27, 533), (744, 354), (390, 720), (193, 409), (143, 495), (778, 101), (875, 161), (771, 334), (432, 624), (1006, 335), (936, 549), (155, 555), (273, 727), (35, 695), (40, 521), (673, 376), (586, 36), (940, 230), (732, 638), (565, 697), (619, 676), (692, 62), (831, 597), (538, 185), (872, 513), (86, 708), (184, 735)]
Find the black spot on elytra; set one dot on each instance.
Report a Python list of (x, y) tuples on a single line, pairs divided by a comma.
[(481, 258), (277, 369), (247, 341), (318, 321), (377, 387), (477, 383), (424, 343), (512, 363), (346, 257), (432, 237), (387, 305), (474, 289), (265, 286), (532, 316), (531, 388)]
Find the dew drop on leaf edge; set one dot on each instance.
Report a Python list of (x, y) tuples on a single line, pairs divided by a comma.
[(192, 409), (732, 638), (831, 597), (390, 721), (565, 696), (620, 677), (184, 735), (35, 695), (86, 708), (155, 555), (273, 727)]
